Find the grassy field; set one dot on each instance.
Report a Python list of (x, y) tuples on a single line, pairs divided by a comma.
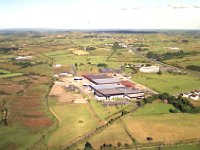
[(186, 61), (24, 90), (76, 120), (183, 147), (113, 134), (17, 138), (155, 108), (167, 128), (104, 112), (173, 84)]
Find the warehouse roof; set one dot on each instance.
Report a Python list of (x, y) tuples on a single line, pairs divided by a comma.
[(96, 76), (106, 86), (130, 91), (106, 81)]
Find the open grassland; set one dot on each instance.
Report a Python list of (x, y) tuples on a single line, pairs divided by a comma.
[(15, 137), (183, 147), (185, 61), (155, 108), (113, 134), (173, 84), (105, 112), (167, 128), (76, 120)]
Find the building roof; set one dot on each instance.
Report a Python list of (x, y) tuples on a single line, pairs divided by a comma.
[(110, 70), (130, 91), (106, 81), (110, 92), (135, 95), (96, 76), (119, 91), (128, 83), (106, 86)]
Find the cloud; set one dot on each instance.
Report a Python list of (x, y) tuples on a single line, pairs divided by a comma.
[(178, 6), (133, 8), (196, 6), (123, 8)]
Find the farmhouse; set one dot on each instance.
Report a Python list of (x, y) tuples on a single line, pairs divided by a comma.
[(150, 69), (192, 95)]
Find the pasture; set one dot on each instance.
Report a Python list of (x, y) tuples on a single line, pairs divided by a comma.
[(114, 134), (154, 108), (173, 84), (76, 120), (166, 128)]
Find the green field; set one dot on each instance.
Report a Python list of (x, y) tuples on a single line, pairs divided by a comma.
[(113, 134), (186, 61), (76, 120), (173, 84), (17, 138), (167, 128), (155, 108), (24, 90), (104, 112)]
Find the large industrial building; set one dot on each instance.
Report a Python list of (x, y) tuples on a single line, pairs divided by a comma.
[(107, 88)]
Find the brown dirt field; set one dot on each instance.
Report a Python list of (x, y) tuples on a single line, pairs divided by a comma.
[(63, 96), (36, 122), (11, 89)]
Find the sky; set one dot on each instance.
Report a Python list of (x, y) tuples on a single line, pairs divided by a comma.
[(100, 14)]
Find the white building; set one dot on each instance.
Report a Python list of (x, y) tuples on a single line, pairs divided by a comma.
[(57, 65), (150, 69), (23, 58)]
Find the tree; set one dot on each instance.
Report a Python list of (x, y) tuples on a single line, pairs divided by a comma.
[(88, 146), (76, 66), (159, 72)]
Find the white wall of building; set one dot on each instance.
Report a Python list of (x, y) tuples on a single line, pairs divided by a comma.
[(150, 69)]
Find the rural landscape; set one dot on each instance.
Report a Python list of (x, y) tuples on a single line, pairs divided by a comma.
[(100, 89)]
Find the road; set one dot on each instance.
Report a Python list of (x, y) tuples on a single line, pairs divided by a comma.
[(195, 73)]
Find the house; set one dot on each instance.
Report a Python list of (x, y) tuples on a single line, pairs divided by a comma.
[(186, 95), (194, 97), (150, 69)]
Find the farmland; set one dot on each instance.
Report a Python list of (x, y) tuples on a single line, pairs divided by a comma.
[(39, 119), (170, 83), (76, 120), (167, 128)]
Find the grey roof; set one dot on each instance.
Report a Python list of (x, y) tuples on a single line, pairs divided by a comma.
[(106, 81), (106, 86), (130, 91)]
